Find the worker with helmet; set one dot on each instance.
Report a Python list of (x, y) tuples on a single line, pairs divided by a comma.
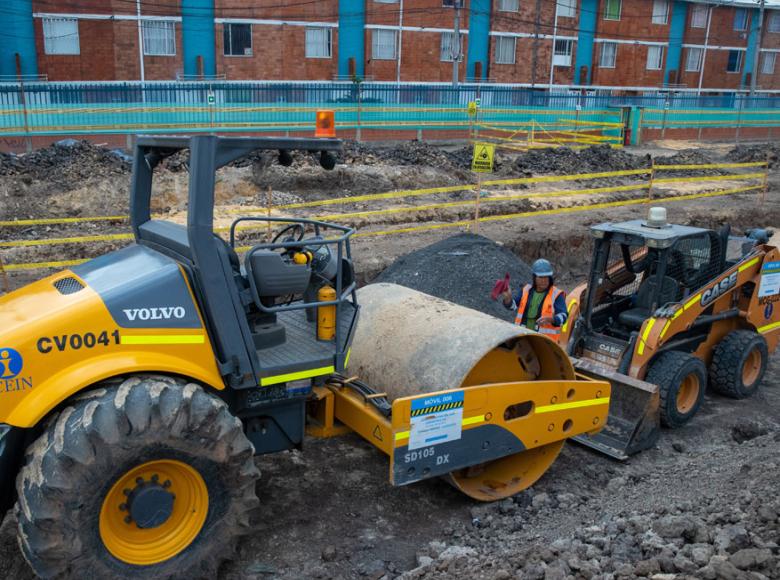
[(540, 305)]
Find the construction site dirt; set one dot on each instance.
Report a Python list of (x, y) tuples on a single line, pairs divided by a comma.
[(702, 503)]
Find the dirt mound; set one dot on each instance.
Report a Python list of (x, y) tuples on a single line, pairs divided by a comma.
[(689, 157), (461, 269), (565, 161), (750, 153), (67, 164)]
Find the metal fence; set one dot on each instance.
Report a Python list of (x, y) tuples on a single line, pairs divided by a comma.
[(127, 107)]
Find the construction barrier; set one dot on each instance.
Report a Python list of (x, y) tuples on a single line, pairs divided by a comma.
[(644, 185)]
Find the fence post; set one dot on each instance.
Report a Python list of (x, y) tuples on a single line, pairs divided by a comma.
[(6, 286), (476, 203), (652, 177), (766, 178), (739, 117), (359, 107), (22, 94), (268, 205), (663, 122)]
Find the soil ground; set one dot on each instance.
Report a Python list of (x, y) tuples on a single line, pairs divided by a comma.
[(328, 511)]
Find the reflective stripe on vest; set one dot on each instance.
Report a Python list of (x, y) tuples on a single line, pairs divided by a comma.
[(547, 311)]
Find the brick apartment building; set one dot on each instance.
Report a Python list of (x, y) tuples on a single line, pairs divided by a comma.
[(611, 43)]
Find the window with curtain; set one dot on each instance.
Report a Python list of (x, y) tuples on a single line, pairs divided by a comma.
[(768, 64), (562, 52), (448, 47), (318, 42), (237, 39), (655, 57), (660, 11), (61, 36), (699, 16), (612, 9), (567, 8), (383, 44), (608, 55), (509, 5), (693, 60), (159, 37), (505, 49), (740, 19), (773, 23)]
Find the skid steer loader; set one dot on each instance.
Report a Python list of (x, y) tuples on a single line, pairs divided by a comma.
[(667, 311), (137, 387)]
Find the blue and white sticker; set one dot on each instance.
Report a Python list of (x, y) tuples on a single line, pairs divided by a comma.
[(770, 280), (436, 419)]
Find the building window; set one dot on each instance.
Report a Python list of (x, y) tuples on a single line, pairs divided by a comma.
[(660, 11), (505, 49), (740, 19), (735, 61), (655, 57), (318, 43), (237, 39), (448, 3), (448, 48), (383, 43), (562, 53), (768, 65), (773, 23), (61, 36), (608, 55), (508, 5), (567, 8), (612, 9), (693, 60), (159, 37), (699, 16)]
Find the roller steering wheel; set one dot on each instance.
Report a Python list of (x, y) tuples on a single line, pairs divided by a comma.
[(299, 230)]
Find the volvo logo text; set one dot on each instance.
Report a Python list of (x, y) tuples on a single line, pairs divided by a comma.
[(161, 313)]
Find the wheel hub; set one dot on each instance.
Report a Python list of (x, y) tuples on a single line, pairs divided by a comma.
[(149, 503)]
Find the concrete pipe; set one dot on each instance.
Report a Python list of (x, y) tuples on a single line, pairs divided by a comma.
[(409, 343)]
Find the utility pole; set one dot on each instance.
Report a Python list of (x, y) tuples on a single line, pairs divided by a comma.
[(535, 50), (759, 33), (456, 44)]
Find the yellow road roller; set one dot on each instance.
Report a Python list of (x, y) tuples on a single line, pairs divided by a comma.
[(137, 387)]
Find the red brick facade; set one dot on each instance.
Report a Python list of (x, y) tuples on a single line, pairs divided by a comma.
[(109, 48)]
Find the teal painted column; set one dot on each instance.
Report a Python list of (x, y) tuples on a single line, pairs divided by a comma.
[(676, 33), (351, 41), (17, 35), (198, 36), (479, 38), (588, 15), (750, 54)]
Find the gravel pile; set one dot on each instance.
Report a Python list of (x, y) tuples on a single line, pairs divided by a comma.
[(688, 157), (749, 153), (732, 535), (67, 163), (461, 269), (565, 161)]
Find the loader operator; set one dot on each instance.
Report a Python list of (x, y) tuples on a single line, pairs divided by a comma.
[(540, 306)]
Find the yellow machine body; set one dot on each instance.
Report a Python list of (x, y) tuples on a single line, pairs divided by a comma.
[(56, 344)]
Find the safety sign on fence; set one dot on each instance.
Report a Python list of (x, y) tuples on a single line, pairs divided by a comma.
[(482, 162), (472, 108)]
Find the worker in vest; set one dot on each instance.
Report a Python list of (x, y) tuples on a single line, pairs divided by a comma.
[(540, 306)]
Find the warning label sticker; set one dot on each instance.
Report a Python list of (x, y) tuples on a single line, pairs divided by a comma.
[(436, 419), (770, 280), (482, 162)]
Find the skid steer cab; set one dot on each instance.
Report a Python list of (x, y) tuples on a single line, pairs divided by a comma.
[(137, 387), (669, 310)]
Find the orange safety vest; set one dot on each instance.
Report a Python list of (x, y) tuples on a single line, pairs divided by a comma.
[(547, 311)]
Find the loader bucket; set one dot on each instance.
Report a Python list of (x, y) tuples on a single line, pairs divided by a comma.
[(633, 423)]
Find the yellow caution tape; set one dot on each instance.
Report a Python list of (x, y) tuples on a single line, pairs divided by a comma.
[(709, 178), (55, 241), (41, 265), (73, 220), (712, 165)]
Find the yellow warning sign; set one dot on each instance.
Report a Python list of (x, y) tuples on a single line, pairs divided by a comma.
[(472, 108), (482, 161)]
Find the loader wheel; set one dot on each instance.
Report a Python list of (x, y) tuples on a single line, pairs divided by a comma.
[(739, 364), (682, 379), (150, 478)]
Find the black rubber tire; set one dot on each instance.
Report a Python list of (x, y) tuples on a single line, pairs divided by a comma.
[(728, 360), (102, 435), (668, 372)]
